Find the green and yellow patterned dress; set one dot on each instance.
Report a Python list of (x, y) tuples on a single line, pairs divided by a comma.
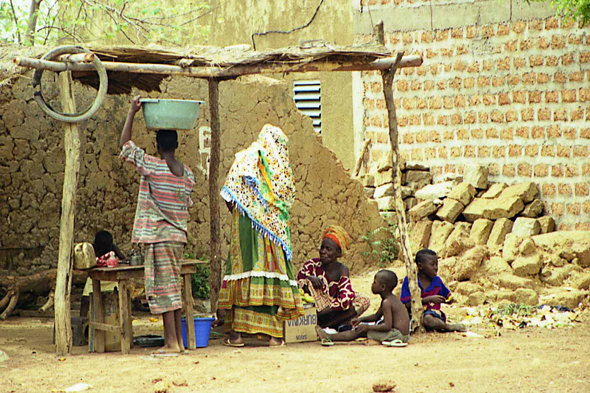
[(259, 286)]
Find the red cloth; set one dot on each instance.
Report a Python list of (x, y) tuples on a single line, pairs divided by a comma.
[(107, 260)]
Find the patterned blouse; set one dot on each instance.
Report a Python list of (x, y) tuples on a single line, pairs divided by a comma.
[(163, 199), (340, 291)]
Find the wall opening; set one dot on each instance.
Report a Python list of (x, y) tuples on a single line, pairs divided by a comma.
[(308, 99)]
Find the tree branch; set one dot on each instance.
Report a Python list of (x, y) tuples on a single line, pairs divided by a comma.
[(15, 21)]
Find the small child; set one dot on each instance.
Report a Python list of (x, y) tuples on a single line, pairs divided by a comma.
[(393, 323), (103, 247), (433, 296)]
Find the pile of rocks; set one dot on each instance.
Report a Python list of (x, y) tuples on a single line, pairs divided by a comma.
[(379, 186), (493, 242), (474, 209), (461, 207), (544, 269)]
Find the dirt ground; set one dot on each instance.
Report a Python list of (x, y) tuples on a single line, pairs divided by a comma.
[(523, 360)]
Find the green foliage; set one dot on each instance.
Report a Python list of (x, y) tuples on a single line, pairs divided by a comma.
[(384, 248), (200, 280), (518, 310), (11, 27), (578, 10)]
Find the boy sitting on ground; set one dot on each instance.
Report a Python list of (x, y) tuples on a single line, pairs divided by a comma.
[(433, 292), (393, 323)]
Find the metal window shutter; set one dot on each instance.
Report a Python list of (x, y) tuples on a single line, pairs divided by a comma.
[(308, 99)]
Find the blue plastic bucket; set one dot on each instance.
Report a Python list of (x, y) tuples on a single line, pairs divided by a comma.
[(202, 331)]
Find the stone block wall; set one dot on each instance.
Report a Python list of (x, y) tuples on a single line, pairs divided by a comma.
[(32, 165), (503, 84)]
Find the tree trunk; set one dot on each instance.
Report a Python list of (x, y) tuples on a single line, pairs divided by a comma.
[(215, 228), (32, 26), (38, 284), (63, 331)]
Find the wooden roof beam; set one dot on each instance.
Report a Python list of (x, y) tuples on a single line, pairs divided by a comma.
[(223, 72)]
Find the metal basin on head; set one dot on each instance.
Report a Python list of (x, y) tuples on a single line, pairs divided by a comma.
[(165, 114)]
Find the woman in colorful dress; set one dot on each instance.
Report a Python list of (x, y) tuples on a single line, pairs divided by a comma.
[(259, 290), (328, 281)]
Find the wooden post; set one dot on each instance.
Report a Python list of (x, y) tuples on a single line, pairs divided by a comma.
[(97, 318), (387, 78), (63, 330), (125, 318), (189, 305), (215, 241)]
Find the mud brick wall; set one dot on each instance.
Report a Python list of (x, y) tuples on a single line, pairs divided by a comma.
[(503, 84), (32, 165)]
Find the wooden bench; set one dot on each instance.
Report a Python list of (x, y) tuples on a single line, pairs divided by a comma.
[(121, 275)]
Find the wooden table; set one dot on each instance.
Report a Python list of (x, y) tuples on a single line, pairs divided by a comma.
[(122, 274)]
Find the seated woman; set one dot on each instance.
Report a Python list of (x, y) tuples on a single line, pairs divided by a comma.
[(327, 280)]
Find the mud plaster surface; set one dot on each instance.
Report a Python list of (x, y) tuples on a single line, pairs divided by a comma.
[(32, 164)]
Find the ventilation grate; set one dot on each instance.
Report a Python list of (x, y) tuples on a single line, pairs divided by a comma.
[(308, 99)]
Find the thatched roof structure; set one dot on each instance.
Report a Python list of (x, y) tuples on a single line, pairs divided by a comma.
[(204, 56)]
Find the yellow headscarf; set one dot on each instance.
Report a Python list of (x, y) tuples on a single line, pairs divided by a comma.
[(338, 235)]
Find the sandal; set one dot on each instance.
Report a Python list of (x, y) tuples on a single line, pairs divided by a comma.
[(282, 344), (227, 342), (395, 343), (326, 342)]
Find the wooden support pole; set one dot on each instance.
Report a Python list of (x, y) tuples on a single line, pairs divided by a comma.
[(97, 319), (189, 314), (359, 162), (387, 78), (215, 227), (219, 72), (125, 318), (63, 330)]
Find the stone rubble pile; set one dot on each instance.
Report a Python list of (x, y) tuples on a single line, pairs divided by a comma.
[(379, 186), (493, 242)]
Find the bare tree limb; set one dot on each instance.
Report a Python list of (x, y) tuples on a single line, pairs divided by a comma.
[(52, 22), (66, 32), (11, 305), (15, 21), (5, 300), (49, 303)]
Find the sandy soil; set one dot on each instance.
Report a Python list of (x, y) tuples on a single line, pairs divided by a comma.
[(524, 360)]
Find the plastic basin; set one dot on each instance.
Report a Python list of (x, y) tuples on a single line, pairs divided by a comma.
[(163, 114), (202, 331)]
